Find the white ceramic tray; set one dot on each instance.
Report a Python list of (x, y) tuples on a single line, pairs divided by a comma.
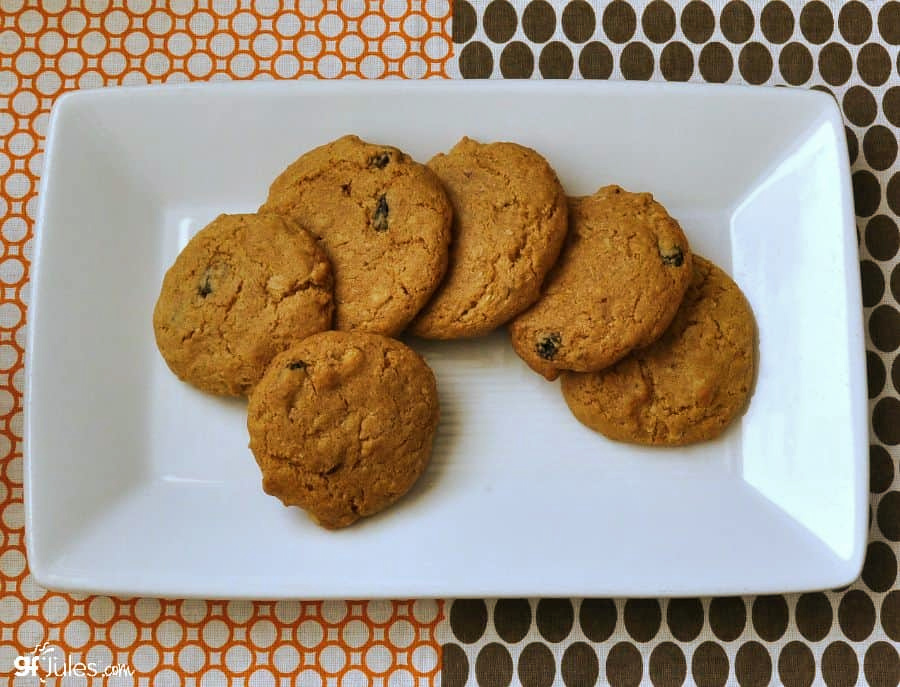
[(138, 484)]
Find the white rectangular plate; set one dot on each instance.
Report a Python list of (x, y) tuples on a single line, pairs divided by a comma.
[(138, 484)]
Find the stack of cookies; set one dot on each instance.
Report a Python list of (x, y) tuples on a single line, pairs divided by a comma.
[(296, 307)]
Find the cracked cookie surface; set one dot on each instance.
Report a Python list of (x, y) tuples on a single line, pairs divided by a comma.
[(690, 384), (342, 424), (509, 224), (383, 220), (618, 282), (243, 289)]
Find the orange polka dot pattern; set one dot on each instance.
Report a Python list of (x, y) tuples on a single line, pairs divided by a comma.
[(843, 637), (49, 48), (305, 643)]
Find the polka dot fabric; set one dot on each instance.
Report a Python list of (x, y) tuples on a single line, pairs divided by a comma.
[(213, 642), (840, 637), (52, 47)]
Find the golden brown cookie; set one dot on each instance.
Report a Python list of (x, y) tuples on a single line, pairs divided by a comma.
[(383, 220), (509, 224), (244, 288), (616, 286), (687, 386), (342, 424)]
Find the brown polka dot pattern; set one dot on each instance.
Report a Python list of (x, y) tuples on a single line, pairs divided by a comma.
[(860, 106), (852, 144), (737, 21), (658, 21), (753, 665), (697, 21), (537, 667), (676, 62), (882, 237), (580, 666), (770, 617), (882, 665), (624, 665), (709, 665), (872, 291), (578, 21), (494, 666), (619, 21), (499, 21), (816, 22), (667, 667), (595, 61), (465, 21), (895, 281), (716, 63), (855, 22), (777, 21), (889, 22), (516, 61), (468, 620), (814, 616), (874, 64), (598, 618), (866, 192), (875, 374), (554, 619), (890, 615), (889, 515), (538, 21), (556, 61), (835, 64), (840, 666), (891, 105), (642, 618), (636, 62), (685, 618), (454, 666), (512, 618), (796, 665), (856, 614), (850, 51), (727, 617), (795, 64), (881, 469), (476, 61)]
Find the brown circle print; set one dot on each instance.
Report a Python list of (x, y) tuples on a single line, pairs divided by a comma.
[(382, 218), (508, 228), (242, 290), (619, 280), (686, 387), (342, 424)]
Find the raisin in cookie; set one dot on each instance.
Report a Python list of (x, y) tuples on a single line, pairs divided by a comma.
[(618, 282), (509, 224), (383, 220), (342, 424), (687, 386), (243, 289)]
